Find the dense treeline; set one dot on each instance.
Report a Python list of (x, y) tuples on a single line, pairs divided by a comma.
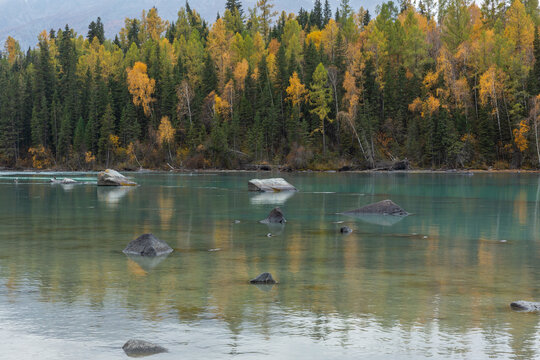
[(445, 85)]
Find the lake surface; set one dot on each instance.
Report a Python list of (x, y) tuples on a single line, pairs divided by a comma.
[(436, 284)]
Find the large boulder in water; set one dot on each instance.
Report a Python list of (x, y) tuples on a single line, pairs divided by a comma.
[(275, 217), (147, 245), (526, 306), (385, 207), (111, 177), (138, 348), (270, 185), (264, 278)]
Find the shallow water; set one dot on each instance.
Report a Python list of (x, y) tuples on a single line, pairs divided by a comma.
[(436, 284)]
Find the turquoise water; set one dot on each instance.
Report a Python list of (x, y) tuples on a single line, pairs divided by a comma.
[(436, 284)]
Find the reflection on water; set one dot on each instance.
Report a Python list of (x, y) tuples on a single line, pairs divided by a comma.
[(146, 263), (433, 285), (383, 220), (271, 198), (113, 194)]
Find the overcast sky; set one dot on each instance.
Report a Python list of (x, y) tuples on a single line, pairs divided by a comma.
[(25, 19)]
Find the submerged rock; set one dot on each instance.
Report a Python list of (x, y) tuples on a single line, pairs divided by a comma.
[(147, 245), (385, 207), (113, 178), (264, 278), (135, 347), (526, 306), (64, 181), (345, 230), (270, 185), (275, 217)]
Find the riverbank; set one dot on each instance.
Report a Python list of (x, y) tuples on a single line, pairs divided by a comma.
[(278, 169)]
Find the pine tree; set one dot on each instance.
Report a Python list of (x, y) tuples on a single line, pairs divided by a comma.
[(534, 75), (316, 16), (40, 123), (95, 29), (327, 13), (233, 5), (65, 134), (106, 131), (129, 128), (78, 137), (303, 18)]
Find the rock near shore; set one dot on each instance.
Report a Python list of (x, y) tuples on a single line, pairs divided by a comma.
[(525, 306), (264, 278), (385, 207), (275, 217), (147, 245), (270, 185), (111, 177), (138, 348)]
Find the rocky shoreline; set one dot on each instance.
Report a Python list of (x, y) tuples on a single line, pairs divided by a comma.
[(278, 169)]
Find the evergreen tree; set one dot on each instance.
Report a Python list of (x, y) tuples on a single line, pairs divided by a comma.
[(40, 123), (65, 134), (327, 13), (303, 18), (534, 76), (316, 16), (232, 5), (79, 137), (129, 128), (106, 131), (311, 60), (367, 18), (95, 29)]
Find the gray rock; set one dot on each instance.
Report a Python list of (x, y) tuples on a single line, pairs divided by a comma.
[(526, 306), (385, 207), (270, 185), (275, 217), (64, 181), (345, 230), (142, 348), (264, 278), (113, 178), (147, 245)]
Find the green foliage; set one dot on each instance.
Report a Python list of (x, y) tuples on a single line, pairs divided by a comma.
[(443, 94)]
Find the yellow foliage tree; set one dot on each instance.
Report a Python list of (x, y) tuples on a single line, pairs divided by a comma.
[(152, 25), (221, 107), (166, 134), (491, 88), (329, 39), (41, 157), (218, 45), (13, 49), (140, 86), (520, 136), (315, 37), (296, 91), (240, 73)]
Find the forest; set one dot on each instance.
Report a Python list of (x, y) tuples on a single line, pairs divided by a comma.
[(448, 84)]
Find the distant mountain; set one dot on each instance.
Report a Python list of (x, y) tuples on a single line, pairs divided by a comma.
[(25, 19)]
